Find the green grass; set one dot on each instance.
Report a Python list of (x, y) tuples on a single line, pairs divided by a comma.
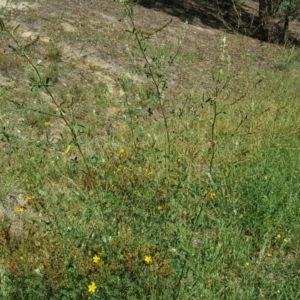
[(158, 197), (287, 62)]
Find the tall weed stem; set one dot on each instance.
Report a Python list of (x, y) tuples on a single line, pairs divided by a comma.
[(159, 83), (43, 83)]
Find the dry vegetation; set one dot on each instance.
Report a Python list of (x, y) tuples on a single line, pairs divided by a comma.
[(145, 166)]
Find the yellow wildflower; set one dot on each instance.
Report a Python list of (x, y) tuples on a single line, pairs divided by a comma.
[(212, 195), (285, 240), (122, 150), (47, 124), (160, 208), (269, 254), (28, 197), (19, 209), (247, 264), (148, 259), (92, 287), (278, 236), (96, 259)]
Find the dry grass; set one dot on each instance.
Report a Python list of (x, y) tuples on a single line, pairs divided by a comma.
[(117, 201)]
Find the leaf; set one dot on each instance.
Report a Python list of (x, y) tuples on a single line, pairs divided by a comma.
[(16, 27)]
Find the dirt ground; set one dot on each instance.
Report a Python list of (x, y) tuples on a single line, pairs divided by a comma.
[(92, 38)]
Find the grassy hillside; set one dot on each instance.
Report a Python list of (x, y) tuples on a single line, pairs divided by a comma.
[(144, 157)]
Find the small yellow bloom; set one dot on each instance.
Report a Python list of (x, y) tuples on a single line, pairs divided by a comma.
[(28, 197), (278, 236), (269, 254), (160, 208), (47, 124), (21, 257), (212, 195), (266, 177), (92, 287), (179, 160), (67, 150), (148, 259), (19, 209), (122, 150), (285, 240), (96, 259), (247, 264)]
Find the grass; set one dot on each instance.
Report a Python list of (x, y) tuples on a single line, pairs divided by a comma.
[(131, 189)]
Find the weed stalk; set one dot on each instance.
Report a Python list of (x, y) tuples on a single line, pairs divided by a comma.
[(44, 83), (153, 70)]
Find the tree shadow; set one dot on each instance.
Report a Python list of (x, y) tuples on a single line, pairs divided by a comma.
[(222, 14), (194, 12)]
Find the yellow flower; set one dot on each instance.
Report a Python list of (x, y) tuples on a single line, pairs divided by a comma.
[(21, 257), (19, 209), (278, 236), (212, 195), (92, 287), (247, 264), (28, 197), (148, 259), (269, 254), (160, 208), (96, 259), (47, 124), (122, 150), (67, 150), (285, 240)]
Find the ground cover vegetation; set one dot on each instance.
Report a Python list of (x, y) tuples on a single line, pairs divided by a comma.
[(147, 174)]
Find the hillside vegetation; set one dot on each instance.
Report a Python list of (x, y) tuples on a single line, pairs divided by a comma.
[(144, 157)]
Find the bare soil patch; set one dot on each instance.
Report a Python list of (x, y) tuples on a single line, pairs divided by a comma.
[(93, 41)]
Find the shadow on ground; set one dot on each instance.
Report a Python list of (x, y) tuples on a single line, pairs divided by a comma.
[(216, 14)]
